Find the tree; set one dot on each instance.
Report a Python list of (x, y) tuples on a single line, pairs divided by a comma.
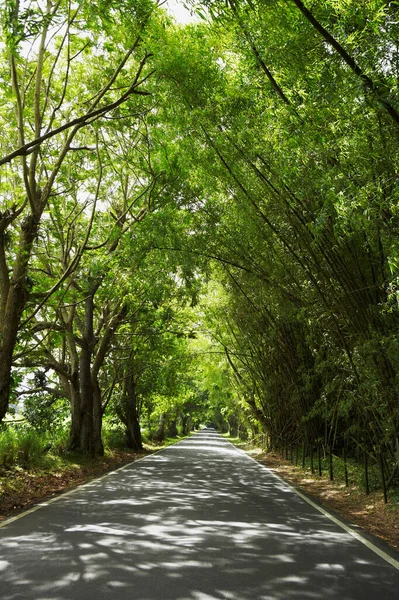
[(52, 53)]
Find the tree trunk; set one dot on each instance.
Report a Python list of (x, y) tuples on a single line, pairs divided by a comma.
[(5, 378), (97, 420), (133, 433), (76, 413), (160, 434), (173, 428), (186, 424), (14, 294), (233, 425), (86, 438)]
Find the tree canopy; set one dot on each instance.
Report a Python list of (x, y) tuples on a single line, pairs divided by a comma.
[(199, 223)]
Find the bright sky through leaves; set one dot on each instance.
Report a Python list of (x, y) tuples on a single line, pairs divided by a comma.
[(179, 12)]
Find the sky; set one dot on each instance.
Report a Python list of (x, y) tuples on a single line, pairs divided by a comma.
[(179, 12)]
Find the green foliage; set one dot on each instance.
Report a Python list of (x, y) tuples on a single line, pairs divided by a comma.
[(222, 246), (8, 447), (21, 446), (114, 438), (44, 412)]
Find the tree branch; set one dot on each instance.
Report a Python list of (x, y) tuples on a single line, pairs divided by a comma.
[(84, 119)]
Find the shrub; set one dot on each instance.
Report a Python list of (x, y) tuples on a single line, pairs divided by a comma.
[(30, 447), (114, 438), (8, 447)]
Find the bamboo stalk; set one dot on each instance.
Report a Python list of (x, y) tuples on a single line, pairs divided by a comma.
[(319, 459), (346, 468), (366, 473), (384, 487)]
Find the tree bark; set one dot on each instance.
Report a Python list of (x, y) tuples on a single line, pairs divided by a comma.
[(76, 414), (173, 428), (187, 423), (97, 419), (86, 438), (13, 301), (160, 434), (133, 433)]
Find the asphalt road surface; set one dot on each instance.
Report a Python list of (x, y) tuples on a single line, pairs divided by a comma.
[(199, 520)]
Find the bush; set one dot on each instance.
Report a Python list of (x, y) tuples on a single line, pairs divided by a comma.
[(30, 447), (8, 447), (58, 441), (44, 412), (114, 438), (25, 446)]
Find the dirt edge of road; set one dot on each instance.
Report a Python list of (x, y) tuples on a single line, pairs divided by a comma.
[(21, 489)]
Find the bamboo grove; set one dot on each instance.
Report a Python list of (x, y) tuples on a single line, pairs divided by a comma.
[(233, 180)]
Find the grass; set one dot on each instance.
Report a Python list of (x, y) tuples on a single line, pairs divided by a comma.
[(247, 445), (22, 447), (27, 448)]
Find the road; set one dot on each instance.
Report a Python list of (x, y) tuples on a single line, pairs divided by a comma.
[(199, 520)]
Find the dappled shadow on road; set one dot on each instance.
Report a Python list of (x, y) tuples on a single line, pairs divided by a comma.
[(199, 521)]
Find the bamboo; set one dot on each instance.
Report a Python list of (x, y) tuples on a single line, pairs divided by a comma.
[(384, 487), (346, 467), (330, 458), (311, 458), (319, 459), (366, 473)]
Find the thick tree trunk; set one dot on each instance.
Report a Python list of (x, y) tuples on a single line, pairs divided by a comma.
[(172, 429), (5, 378), (76, 414), (86, 440), (87, 420), (97, 420), (14, 294), (133, 433), (187, 423), (86, 434), (160, 434)]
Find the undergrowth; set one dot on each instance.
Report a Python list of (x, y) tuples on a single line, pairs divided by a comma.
[(23, 446)]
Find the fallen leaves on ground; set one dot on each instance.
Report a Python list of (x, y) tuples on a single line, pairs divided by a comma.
[(20, 489)]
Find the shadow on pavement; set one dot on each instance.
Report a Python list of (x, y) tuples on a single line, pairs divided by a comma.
[(199, 521)]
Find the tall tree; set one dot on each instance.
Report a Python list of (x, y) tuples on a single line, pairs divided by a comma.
[(53, 51)]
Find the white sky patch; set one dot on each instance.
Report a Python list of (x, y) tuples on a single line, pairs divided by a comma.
[(180, 13)]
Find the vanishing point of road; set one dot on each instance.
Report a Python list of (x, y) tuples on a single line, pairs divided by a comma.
[(199, 520)]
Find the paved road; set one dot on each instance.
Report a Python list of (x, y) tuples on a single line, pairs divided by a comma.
[(197, 521)]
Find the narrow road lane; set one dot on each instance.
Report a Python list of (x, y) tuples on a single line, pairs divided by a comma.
[(197, 521)]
